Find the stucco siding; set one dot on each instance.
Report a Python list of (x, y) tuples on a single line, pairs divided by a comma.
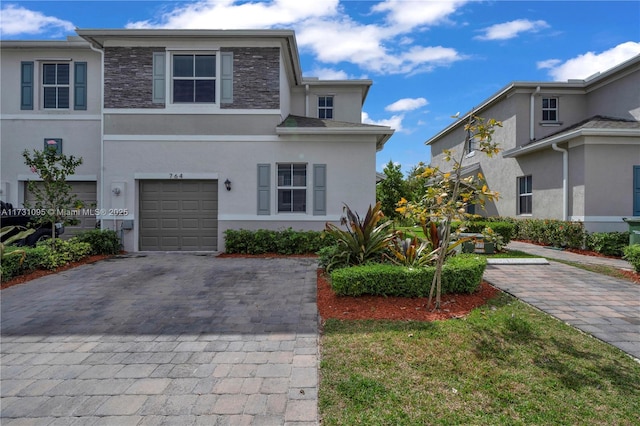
[(347, 182), (617, 99), (190, 124)]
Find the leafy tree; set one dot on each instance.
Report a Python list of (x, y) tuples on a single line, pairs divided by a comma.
[(415, 183), (54, 200), (448, 194), (391, 189)]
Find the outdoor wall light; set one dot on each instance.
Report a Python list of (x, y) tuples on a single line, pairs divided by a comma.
[(227, 184), (116, 191)]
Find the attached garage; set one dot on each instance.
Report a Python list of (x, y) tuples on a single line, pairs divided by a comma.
[(85, 191), (178, 215)]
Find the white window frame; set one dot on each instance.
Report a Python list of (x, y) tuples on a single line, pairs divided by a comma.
[(170, 80), (282, 187), (56, 85), (521, 195), (548, 109), (326, 108)]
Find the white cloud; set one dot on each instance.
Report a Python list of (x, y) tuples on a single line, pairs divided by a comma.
[(395, 122), (410, 14), (16, 20), (406, 104), (328, 74), (585, 65), (511, 29), (230, 14), (325, 30)]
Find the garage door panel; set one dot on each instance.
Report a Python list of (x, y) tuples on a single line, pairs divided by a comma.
[(178, 215)]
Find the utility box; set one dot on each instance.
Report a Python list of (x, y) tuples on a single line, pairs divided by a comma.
[(634, 229)]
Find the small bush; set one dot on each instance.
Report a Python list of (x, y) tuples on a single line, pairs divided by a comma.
[(285, 242), (460, 274), (609, 243), (101, 241), (556, 233), (632, 254), (505, 229)]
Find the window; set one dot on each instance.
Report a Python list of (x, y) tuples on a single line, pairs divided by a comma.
[(525, 194), (549, 109), (194, 78), (55, 86), (292, 187), (325, 107)]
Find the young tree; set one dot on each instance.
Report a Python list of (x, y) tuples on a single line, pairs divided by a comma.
[(391, 189), (449, 193), (54, 200)]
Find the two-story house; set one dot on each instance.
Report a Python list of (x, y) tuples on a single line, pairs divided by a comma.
[(50, 94), (200, 131), (570, 150)]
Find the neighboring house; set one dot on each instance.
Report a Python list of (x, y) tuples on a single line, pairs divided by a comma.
[(199, 131), (50, 91), (570, 150)]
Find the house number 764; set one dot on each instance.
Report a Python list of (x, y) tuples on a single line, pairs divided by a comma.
[(175, 175)]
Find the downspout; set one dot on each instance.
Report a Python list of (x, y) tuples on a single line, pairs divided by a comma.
[(306, 100), (565, 180), (101, 186), (532, 113)]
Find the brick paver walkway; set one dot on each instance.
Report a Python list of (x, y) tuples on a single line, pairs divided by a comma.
[(605, 307)]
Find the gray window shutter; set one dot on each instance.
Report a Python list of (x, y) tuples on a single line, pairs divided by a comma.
[(264, 188), (319, 189), (158, 77), (226, 77), (26, 85), (80, 86)]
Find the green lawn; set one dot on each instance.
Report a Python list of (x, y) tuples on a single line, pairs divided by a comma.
[(506, 364)]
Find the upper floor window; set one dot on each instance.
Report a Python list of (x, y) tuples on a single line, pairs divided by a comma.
[(525, 194), (194, 78), (549, 109), (292, 187), (55, 86), (325, 107)]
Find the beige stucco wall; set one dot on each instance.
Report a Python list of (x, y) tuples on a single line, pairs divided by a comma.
[(348, 181), (347, 101)]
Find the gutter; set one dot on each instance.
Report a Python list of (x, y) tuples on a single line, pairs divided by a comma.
[(101, 197), (532, 114), (565, 180)]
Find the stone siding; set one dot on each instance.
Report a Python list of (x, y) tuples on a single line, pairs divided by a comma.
[(128, 77), (256, 78)]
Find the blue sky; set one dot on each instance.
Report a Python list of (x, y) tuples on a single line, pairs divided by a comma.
[(428, 59)]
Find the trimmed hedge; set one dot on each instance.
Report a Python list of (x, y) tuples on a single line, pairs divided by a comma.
[(43, 256), (505, 229), (285, 241), (460, 274), (608, 243), (632, 254), (101, 241), (557, 233)]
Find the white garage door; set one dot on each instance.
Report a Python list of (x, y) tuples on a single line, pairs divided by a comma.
[(179, 215), (86, 193)]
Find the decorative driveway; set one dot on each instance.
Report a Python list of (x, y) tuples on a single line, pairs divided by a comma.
[(158, 338)]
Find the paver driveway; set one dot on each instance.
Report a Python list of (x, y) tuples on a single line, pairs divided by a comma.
[(163, 339)]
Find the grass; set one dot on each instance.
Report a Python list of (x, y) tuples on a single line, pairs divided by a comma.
[(600, 269), (506, 364)]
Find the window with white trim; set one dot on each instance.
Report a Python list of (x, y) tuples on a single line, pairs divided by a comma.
[(525, 194), (193, 78), (549, 109), (292, 188), (55, 85), (325, 107)]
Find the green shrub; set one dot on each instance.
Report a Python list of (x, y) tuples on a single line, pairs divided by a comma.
[(460, 274), (60, 252), (285, 242), (101, 241), (557, 233), (608, 243), (505, 229), (632, 254)]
